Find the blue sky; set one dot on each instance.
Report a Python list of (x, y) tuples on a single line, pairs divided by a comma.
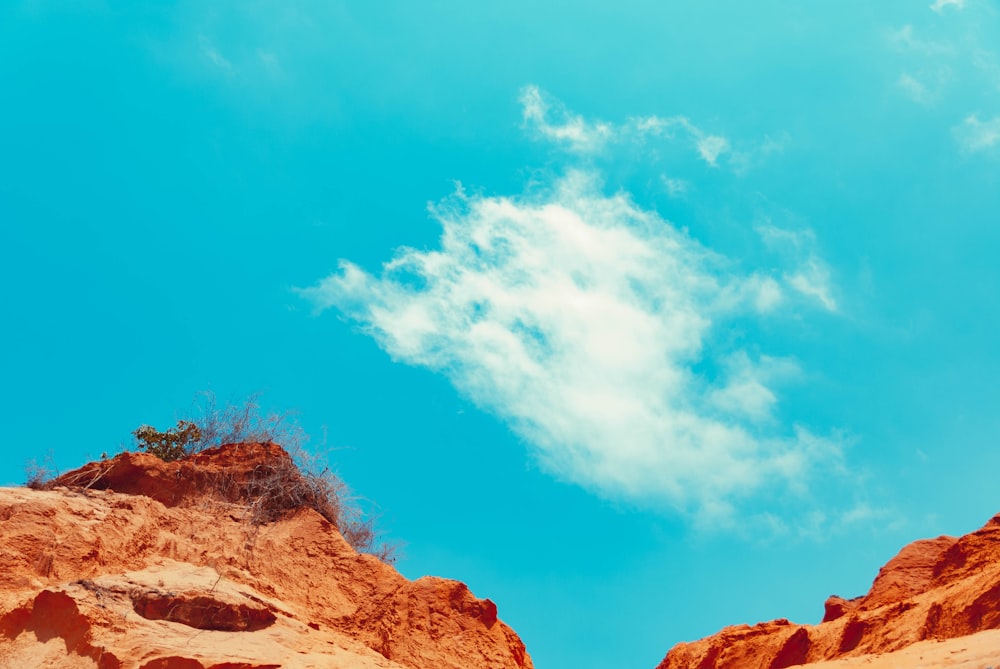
[(641, 320)]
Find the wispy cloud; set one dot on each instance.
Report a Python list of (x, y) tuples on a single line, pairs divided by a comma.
[(747, 392), (710, 147), (213, 56), (810, 275), (813, 280), (552, 121), (675, 187), (926, 85), (269, 61), (986, 61), (975, 135), (905, 39), (954, 70), (914, 88), (743, 160), (591, 326), (940, 5)]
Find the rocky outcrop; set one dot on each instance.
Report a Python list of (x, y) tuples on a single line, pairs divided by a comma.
[(933, 590), (133, 563)]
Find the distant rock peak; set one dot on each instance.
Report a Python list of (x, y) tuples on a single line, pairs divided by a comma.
[(933, 589)]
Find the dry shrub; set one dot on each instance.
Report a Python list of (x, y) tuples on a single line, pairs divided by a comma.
[(86, 477), (212, 425), (274, 489), (280, 488), (39, 476), (241, 423)]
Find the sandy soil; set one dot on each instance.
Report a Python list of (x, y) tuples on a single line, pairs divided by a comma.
[(976, 651)]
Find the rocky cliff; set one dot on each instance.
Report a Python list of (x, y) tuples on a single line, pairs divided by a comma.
[(928, 607), (134, 563)]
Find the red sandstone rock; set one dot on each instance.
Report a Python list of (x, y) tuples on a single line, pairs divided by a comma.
[(142, 564), (933, 590)]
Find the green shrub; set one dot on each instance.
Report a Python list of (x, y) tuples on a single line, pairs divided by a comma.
[(171, 445)]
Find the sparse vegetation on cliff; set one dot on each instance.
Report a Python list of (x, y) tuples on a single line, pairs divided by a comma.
[(292, 479), (38, 476), (213, 425), (276, 488)]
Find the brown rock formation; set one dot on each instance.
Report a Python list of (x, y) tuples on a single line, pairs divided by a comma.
[(933, 590), (141, 564)]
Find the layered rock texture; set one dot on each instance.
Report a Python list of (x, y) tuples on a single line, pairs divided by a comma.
[(936, 604), (134, 563)]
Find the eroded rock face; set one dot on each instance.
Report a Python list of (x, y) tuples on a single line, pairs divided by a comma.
[(226, 472), (202, 611), (933, 589), (144, 570)]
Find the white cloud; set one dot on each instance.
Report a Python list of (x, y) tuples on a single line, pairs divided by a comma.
[(741, 161), (590, 325), (811, 275), (904, 39), (975, 135), (768, 294), (986, 61), (745, 392), (926, 85), (914, 88), (940, 5), (211, 53), (550, 119), (269, 62), (675, 187), (813, 280), (710, 147), (567, 128)]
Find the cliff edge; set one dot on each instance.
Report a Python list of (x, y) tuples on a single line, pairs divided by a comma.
[(136, 563)]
